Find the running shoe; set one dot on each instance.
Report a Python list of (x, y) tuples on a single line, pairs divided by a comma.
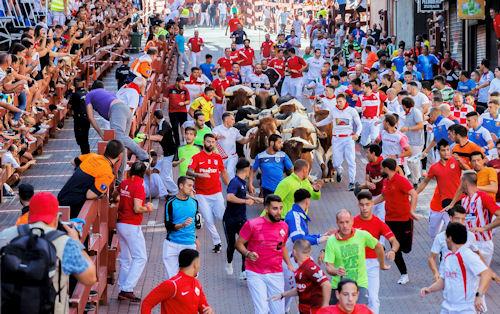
[(339, 177), (229, 268), (351, 186), (403, 280), (243, 275), (217, 248), (130, 296)]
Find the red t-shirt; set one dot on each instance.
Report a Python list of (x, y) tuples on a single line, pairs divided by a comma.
[(370, 105), (447, 177), (266, 48), (296, 63), (220, 86), (278, 65), (234, 56), (496, 25), (334, 309), (246, 56), (233, 24), (175, 96), (376, 227), (308, 278), (495, 163), (374, 171), (181, 294), (211, 164), (196, 43), (397, 201), (130, 189), (225, 63)]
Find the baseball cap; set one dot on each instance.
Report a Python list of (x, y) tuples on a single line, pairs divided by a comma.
[(43, 207)]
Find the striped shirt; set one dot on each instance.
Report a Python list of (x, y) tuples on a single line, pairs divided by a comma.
[(480, 208), (459, 113)]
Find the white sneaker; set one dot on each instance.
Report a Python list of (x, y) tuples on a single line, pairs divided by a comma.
[(403, 280), (243, 275), (229, 268)]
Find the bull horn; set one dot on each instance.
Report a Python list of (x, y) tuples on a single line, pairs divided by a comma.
[(286, 130), (253, 116), (309, 146), (275, 111), (253, 123), (281, 122)]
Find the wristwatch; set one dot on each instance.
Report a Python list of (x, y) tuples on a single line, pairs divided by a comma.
[(479, 295)]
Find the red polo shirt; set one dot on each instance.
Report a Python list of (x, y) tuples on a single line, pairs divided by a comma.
[(221, 85), (130, 189), (296, 63), (278, 65), (447, 177), (175, 96), (335, 309), (196, 43), (225, 63), (233, 24), (234, 56), (247, 55), (266, 48), (181, 294), (211, 164), (397, 201)]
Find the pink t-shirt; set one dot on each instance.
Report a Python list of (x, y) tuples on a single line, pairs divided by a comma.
[(266, 239)]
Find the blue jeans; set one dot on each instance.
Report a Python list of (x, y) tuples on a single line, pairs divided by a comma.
[(22, 105)]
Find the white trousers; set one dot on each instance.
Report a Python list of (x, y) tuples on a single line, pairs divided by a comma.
[(182, 63), (289, 277), (171, 252), (373, 271), (262, 287), (292, 86), (369, 132), (246, 71), (204, 19), (218, 112), (379, 210), (154, 186), (415, 166), (436, 221), (132, 257), (211, 208), (195, 58), (165, 166), (343, 148), (230, 165), (486, 248)]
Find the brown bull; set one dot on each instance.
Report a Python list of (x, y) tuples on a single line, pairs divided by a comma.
[(266, 127), (325, 143), (299, 146), (239, 99)]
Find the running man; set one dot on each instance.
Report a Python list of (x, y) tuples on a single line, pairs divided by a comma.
[(207, 167)]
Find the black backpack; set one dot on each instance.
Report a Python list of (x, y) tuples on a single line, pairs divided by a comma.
[(28, 265)]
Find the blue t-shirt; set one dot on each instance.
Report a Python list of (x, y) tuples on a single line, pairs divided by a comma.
[(272, 168), (177, 211), (399, 63), (467, 86), (180, 40), (424, 65), (100, 99), (206, 68), (236, 212), (73, 261)]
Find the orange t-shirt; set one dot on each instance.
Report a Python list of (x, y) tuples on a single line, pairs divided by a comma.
[(485, 177), (371, 59), (465, 151)]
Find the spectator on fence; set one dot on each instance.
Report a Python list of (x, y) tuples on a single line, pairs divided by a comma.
[(91, 179), (123, 72)]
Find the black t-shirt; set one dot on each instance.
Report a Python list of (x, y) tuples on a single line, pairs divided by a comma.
[(236, 212), (238, 36), (204, 6), (77, 102), (167, 143), (212, 9), (121, 75)]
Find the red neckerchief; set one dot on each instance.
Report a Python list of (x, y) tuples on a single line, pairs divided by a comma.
[(349, 236), (206, 97), (192, 80), (134, 86)]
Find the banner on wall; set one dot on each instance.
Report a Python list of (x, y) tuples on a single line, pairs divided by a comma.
[(429, 6), (471, 9)]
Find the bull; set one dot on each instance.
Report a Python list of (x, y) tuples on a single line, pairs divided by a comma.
[(324, 152), (299, 146)]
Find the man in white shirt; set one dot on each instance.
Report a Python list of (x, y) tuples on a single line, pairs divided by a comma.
[(131, 93), (297, 26), (257, 79), (345, 121), (314, 66), (422, 102), (222, 8), (227, 136), (463, 277), (439, 247), (392, 104)]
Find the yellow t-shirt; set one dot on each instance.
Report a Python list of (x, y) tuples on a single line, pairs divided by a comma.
[(485, 177), (206, 107)]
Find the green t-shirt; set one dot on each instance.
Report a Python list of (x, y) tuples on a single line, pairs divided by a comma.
[(198, 140), (350, 254), (307, 56), (187, 152)]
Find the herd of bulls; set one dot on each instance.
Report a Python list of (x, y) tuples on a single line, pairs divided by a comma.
[(263, 114)]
